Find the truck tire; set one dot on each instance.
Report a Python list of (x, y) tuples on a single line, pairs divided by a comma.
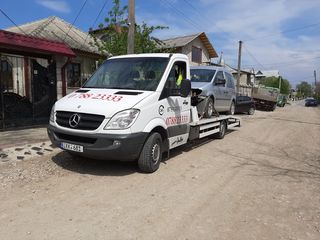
[(209, 108), (232, 108), (151, 154), (222, 130)]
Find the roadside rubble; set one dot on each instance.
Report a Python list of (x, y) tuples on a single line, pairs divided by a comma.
[(25, 152)]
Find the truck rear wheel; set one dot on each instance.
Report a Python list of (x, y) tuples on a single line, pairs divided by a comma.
[(222, 130), (151, 154)]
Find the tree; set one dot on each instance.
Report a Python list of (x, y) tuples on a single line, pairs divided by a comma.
[(116, 32), (304, 89), (274, 82)]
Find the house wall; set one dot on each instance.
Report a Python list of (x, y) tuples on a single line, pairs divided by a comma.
[(87, 66), (60, 62), (188, 51)]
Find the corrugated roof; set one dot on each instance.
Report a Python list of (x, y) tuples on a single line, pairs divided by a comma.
[(54, 28), (184, 40), (17, 41)]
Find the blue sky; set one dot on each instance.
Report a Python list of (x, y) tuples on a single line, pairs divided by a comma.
[(276, 34)]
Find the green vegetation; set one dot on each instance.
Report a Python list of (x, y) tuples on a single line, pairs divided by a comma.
[(274, 82), (116, 32), (304, 89)]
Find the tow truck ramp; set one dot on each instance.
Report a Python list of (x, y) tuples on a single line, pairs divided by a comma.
[(209, 126)]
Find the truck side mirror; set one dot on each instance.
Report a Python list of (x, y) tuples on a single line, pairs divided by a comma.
[(185, 88)]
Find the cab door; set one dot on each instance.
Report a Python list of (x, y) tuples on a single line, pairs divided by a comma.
[(219, 92), (176, 109)]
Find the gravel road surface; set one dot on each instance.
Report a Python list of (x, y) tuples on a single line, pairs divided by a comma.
[(262, 181)]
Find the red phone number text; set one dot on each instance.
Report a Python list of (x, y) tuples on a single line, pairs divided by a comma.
[(106, 97)]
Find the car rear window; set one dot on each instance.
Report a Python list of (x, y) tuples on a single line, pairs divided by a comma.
[(202, 75)]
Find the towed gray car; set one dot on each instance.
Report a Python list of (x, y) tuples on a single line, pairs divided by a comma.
[(217, 83)]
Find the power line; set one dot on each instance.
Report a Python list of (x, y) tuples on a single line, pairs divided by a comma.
[(182, 14), (286, 31), (74, 21), (253, 57), (290, 63), (202, 15), (96, 19), (12, 21)]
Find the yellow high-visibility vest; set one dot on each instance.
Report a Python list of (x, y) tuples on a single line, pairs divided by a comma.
[(180, 77)]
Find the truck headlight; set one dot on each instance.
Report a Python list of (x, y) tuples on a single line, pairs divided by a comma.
[(51, 119), (122, 119)]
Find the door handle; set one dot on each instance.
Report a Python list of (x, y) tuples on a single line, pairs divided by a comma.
[(185, 102), (225, 92)]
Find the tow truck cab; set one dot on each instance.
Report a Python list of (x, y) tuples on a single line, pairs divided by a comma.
[(133, 107)]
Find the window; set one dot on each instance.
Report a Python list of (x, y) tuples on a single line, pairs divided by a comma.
[(129, 73), (6, 76), (230, 80), (177, 73), (74, 75), (196, 55), (202, 75), (219, 76)]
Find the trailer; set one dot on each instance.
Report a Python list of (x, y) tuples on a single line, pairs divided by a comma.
[(134, 108)]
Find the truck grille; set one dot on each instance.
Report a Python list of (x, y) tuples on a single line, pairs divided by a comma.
[(86, 121)]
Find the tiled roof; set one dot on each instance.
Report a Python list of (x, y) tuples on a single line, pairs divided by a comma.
[(22, 42), (184, 40), (54, 28)]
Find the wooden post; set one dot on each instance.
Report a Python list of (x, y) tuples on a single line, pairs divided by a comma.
[(239, 67), (131, 22)]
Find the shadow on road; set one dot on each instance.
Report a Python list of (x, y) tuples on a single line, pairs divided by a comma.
[(94, 167)]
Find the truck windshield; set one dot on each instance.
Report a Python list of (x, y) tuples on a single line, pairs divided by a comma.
[(129, 73), (202, 75)]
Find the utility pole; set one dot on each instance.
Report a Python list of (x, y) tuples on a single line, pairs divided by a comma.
[(315, 77), (280, 83), (132, 24), (239, 67)]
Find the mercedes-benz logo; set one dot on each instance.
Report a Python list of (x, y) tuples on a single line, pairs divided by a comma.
[(74, 120)]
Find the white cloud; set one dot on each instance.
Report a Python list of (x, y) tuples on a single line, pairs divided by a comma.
[(59, 6), (260, 24)]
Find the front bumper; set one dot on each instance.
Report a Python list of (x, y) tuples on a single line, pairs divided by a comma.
[(122, 147)]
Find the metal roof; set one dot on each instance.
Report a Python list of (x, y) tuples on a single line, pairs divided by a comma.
[(54, 28), (184, 40), (10, 40)]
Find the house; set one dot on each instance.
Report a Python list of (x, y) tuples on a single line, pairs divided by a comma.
[(266, 73), (247, 79), (197, 47), (41, 62)]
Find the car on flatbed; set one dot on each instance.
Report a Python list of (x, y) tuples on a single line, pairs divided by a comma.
[(216, 83)]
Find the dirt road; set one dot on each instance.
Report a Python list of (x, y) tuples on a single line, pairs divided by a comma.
[(260, 182)]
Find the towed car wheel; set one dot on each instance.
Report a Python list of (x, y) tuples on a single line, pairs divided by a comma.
[(232, 108), (209, 109)]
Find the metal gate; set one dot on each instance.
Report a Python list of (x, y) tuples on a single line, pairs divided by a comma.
[(25, 103)]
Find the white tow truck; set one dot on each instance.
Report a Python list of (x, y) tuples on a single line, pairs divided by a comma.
[(134, 108)]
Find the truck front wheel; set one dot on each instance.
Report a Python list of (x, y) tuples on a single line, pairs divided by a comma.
[(151, 154)]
